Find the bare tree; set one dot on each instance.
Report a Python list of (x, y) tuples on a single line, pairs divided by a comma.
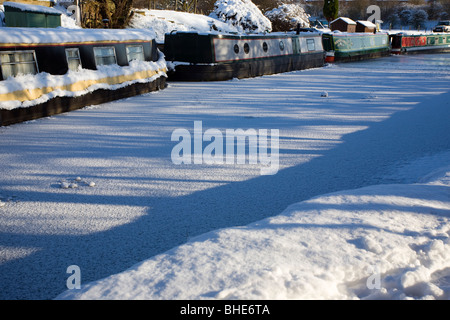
[(121, 15), (107, 13)]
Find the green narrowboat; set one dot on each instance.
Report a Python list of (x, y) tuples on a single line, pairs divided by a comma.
[(355, 46)]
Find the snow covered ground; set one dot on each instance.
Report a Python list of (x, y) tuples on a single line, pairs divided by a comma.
[(378, 242), (148, 228), (166, 21)]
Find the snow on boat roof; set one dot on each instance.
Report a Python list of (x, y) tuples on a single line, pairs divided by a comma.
[(31, 8), (356, 34), (348, 20), (64, 35), (249, 35)]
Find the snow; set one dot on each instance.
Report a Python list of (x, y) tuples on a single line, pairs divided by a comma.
[(347, 20), (166, 21), (367, 23), (409, 32), (67, 17), (290, 12), (353, 212), (67, 35), (229, 16), (242, 14), (378, 242)]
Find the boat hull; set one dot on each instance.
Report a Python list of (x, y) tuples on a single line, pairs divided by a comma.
[(59, 105), (244, 69)]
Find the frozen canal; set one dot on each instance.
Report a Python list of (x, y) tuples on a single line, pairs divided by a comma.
[(341, 127)]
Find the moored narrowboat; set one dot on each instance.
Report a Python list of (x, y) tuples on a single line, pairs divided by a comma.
[(217, 57), (48, 71), (420, 43), (355, 46)]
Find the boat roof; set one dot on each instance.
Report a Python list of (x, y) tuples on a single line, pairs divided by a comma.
[(250, 35), (64, 35)]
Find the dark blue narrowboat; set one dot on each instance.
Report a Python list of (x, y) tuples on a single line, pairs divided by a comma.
[(216, 57)]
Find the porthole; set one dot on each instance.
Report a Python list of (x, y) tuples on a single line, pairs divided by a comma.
[(246, 48), (236, 49), (265, 46), (281, 45)]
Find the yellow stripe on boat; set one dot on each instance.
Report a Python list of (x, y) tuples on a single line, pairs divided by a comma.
[(32, 94)]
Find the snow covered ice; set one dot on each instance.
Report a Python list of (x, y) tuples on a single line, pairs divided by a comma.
[(359, 208)]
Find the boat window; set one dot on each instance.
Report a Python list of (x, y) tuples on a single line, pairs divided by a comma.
[(73, 58), (236, 49), (310, 44), (265, 47), (281, 45), (135, 52), (14, 63), (104, 55), (246, 48)]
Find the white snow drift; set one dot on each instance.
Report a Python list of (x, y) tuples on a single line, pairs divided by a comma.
[(379, 242), (242, 14), (166, 21)]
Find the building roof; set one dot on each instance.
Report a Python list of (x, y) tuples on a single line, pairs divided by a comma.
[(366, 23), (347, 20)]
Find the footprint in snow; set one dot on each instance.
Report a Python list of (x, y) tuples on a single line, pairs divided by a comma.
[(370, 97), (75, 183)]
